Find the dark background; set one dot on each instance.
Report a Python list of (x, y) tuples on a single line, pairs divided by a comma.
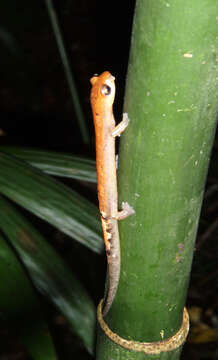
[(36, 110)]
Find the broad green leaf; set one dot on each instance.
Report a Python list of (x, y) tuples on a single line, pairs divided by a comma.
[(20, 307), (49, 273), (50, 200), (38, 341), (58, 164), (14, 304)]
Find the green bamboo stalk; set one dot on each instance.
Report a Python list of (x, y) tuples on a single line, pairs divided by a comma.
[(171, 101)]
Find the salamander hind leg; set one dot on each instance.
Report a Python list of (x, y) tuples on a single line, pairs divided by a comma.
[(125, 212)]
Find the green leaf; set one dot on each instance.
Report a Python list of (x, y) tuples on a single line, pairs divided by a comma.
[(21, 308), (38, 341), (49, 273), (14, 303), (51, 201), (58, 164)]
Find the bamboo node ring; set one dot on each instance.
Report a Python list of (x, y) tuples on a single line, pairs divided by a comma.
[(157, 347)]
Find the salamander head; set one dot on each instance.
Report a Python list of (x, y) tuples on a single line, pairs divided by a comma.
[(103, 88)]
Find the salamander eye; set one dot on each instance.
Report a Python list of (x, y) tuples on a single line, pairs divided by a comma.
[(106, 90)]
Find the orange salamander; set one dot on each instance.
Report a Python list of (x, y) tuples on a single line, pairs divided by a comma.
[(106, 130)]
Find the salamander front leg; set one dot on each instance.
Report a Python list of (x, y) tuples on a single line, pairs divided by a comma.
[(121, 126)]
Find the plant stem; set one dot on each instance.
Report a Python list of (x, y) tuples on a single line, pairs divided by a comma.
[(171, 101), (68, 72)]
